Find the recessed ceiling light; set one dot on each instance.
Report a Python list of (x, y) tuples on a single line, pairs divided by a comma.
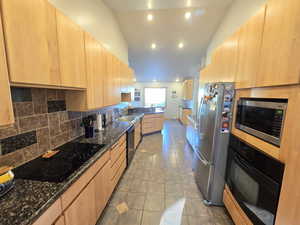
[(177, 80), (187, 15), (153, 46), (134, 79), (180, 45), (154, 80), (150, 17)]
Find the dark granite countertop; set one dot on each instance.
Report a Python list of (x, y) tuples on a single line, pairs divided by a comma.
[(29, 199), (145, 110)]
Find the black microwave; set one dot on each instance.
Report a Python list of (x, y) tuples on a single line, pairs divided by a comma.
[(262, 118)]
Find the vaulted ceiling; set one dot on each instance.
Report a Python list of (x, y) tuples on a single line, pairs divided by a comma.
[(169, 27)]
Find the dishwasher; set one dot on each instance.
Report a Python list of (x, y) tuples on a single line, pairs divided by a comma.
[(130, 145)]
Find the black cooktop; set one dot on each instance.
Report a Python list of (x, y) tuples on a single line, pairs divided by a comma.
[(60, 166)]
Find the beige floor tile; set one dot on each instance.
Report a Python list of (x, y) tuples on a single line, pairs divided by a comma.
[(155, 202)]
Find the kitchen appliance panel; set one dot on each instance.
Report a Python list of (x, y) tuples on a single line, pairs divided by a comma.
[(255, 181), (213, 122), (263, 118), (203, 172)]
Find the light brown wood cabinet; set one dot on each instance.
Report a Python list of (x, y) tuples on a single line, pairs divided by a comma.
[(102, 188), (188, 90), (6, 109), (83, 210), (51, 215), (93, 97), (71, 52), (60, 221), (31, 42), (249, 51), (184, 115), (280, 51), (152, 123)]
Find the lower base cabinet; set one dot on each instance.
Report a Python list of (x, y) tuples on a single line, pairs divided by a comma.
[(152, 123), (60, 221), (102, 188), (83, 210)]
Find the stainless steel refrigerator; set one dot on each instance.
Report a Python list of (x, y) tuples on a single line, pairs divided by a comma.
[(213, 127)]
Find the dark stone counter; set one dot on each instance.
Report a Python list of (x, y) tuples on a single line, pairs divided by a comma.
[(29, 199)]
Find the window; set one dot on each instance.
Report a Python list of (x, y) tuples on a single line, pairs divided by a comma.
[(155, 97)]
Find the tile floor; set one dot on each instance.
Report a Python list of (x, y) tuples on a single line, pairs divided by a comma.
[(159, 187)]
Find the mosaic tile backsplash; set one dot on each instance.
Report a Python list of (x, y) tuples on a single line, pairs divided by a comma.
[(42, 123)]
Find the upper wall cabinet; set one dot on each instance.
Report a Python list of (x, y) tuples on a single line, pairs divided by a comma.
[(224, 62), (93, 97), (108, 80), (249, 51), (31, 42), (280, 53), (6, 109), (71, 52)]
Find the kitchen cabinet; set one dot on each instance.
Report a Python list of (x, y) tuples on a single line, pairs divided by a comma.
[(31, 42), (188, 90), (185, 113), (224, 60), (60, 221), (108, 80), (6, 109), (71, 52), (93, 97), (83, 210), (249, 51), (116, 81), (280, 51), (50, 216), (152, 123), (102, 188)]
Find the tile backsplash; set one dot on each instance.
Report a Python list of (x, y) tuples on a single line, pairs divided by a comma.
[(42, 123)]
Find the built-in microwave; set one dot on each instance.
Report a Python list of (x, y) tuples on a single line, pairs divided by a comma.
[(263, 118), (254, 179)]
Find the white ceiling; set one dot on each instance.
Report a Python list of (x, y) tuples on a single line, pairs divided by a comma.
[(168, 28)]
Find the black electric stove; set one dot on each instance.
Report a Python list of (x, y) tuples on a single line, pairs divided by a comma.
[(60, 166)]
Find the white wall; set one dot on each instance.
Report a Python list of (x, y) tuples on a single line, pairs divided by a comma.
[(172, 110), (239, 12), (96, 18)]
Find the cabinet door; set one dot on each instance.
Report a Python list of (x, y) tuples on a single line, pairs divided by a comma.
[(230, 58), (6, 109), (117, 83), (31, 42), (249, 51), (60, 221), (82, 211), (108, 80), (102, 188), (95, 70), (71, 52), (280, 52)]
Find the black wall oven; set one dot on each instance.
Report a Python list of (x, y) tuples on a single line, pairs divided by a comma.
[(263, 118), (254, 180)]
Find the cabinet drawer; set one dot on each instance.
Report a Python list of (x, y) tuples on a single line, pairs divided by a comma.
[(76, 188), (50, 215), (115, 167), (153, 115), (116, 152), (119, 174)]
